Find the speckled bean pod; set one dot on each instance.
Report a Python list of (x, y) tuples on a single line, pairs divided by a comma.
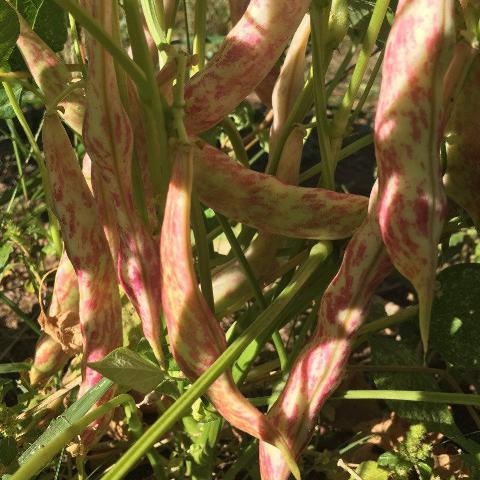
[(248, 53), (62, 322), (230, 285), (87, 248), (196, 338), (265, 88), (108, 139), (320, 366), (264, 202), (49, 359), (462, 178), (51, 75), (408, 131)]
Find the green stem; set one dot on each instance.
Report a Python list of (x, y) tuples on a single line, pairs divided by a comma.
[(345, 152), (154, 13), (46, 452), (76, 44), (178, 98), (14, 135), (93, 27), (411, 396), (252, 280), (203, 254), (265, 321), (187, 29), (319, 17), (300, 108), (231, 131), (340, 120), (368, 87), (200, 32), (157, 144), (20, 313), (388, 321), (37, 154)]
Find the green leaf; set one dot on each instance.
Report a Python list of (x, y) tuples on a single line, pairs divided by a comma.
[(47, 20), (371, 471), (14, 367), (125, 367), (6, 110), (386, 351), (388, 459), (9, 31), (73, 414), (8, 450), (5, 251), (455, 324)]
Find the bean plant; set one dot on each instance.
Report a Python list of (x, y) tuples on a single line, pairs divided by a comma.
[(216, 284)]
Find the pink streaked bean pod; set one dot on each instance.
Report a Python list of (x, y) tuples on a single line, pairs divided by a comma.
[(49, 359), (87, 248), (248, 53), (196, 338), (265, 88), (264, 202), (462, 178), (51, 75), (408, 131), (320, 366), (108, 139)]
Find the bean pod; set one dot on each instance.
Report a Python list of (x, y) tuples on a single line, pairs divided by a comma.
[(408, 132), (87, 248), (253, 45), (196, 338), (320, 366)]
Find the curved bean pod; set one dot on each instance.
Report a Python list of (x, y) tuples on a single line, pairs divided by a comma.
[(87, 248), (264, 202), (49, 359), (51, 75), (196, 338), (320, 366), (462, 178), (248, 53), (108, 139), (408, 132), (265, 88), (63, 322)]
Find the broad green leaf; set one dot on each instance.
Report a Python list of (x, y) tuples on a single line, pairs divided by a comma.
[(455, 324), (371, 471), (386, 351), (5, 250), (73, 414), (47, 20), (14, 367), (125, 367), (6, 111), (9, 30)]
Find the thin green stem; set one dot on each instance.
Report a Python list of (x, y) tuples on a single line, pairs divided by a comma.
[(301, 106), (20, 313), (46, 452), (345, 152), (187, 29), (76, 44), (340, 120), (154, 13), (156, 134), (200, 32), (368, 87), (203, 254), (37, 154), (389, 321), (265, 321), (179, 99), (319, 16), (411, 396), (18, 160), (93, 27), (231, 131), (252, 280)]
